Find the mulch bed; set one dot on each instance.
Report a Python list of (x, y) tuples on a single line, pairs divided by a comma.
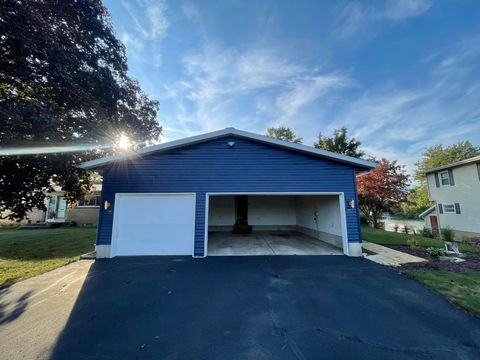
[(419, 251), (471, 263)]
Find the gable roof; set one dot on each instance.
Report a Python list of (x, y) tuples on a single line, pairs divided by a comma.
[(455, 164), (426, 212), (358, 163)]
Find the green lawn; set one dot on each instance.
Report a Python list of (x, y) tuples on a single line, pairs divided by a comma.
[(463, 289), (387, 238), (26, 253)]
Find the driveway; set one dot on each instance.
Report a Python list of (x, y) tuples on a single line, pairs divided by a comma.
[(259, 307)]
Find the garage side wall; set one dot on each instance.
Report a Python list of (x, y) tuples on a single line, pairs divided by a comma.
[(319, 216), (214, 166)]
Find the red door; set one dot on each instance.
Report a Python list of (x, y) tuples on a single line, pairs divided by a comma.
[(434, 223)]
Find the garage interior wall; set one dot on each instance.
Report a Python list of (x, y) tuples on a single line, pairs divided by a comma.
[(314, 215)]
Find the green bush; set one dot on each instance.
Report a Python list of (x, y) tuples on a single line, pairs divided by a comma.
[(426, 232), (447, 234), (435, 253), (412, 243)]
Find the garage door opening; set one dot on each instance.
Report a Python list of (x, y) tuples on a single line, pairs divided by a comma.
[(275, 224)]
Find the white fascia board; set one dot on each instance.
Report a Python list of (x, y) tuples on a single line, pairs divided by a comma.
[(426, 212), (455, 164)]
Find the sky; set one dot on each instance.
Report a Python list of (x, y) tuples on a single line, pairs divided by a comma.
[(400, 75)]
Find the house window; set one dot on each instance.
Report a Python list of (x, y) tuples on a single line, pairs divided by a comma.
[(89, 200), (444, 178), (449, 208)]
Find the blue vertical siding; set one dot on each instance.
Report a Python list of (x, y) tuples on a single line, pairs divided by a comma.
[(213, 166)]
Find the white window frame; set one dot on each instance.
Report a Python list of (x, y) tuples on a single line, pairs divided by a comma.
[(441, 180), (90, 206), (449, 212)]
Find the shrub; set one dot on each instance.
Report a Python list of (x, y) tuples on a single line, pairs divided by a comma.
[(435, 253), (381, 225), (447, 234), (426, 232), (412, 243)]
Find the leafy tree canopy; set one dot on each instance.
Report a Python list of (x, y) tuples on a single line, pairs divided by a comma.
[(417, 202), (382, 189), (438, 155), (284, 133), (340, 143), (63, 81)]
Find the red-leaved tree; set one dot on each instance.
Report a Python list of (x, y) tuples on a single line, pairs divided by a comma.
[(381, 189)]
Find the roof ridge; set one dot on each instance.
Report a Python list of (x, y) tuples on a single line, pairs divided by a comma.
[(364, 164)]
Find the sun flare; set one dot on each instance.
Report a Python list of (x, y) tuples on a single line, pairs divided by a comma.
[(124, 142)]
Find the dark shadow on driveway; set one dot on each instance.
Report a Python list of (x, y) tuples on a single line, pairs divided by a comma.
[(12, 310), (278, 307)]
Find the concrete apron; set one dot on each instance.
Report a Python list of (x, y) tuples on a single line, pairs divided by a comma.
[(386, 256), (267, 243)]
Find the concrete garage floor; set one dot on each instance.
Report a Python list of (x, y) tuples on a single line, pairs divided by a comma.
[(267, 243), (236, 308)]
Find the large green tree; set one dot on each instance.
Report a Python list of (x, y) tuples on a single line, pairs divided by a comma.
[(438, 155), (63, 82), (283, 133), (340, 143)]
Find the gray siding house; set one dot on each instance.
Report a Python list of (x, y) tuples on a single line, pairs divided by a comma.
[(455, 192)]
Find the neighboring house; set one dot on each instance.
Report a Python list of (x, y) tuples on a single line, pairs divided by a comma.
[(166, 199), (84, 212), (455, 191)]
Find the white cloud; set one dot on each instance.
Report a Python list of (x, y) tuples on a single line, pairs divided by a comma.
[(147, 27), (306, 90), (217, 71), (156, 24), (190, 11), (402, 9), (400, 123), (220, 83), (356, 15)]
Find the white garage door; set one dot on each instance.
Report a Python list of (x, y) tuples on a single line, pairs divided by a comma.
[(153, 224)]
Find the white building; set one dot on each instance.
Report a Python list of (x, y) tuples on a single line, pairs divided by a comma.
[(455, 192)]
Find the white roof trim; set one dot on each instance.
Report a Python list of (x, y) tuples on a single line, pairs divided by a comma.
[(455, 164), (229, 131), (426, 212)]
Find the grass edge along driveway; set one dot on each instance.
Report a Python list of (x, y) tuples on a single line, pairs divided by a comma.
[(27, 253), (462, 288)]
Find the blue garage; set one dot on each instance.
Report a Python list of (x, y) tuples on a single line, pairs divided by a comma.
[(228, 192)]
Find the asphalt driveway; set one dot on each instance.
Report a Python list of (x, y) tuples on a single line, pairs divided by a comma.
[(264, 307)]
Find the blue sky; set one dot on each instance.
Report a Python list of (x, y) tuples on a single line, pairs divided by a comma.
[(400, 75)]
